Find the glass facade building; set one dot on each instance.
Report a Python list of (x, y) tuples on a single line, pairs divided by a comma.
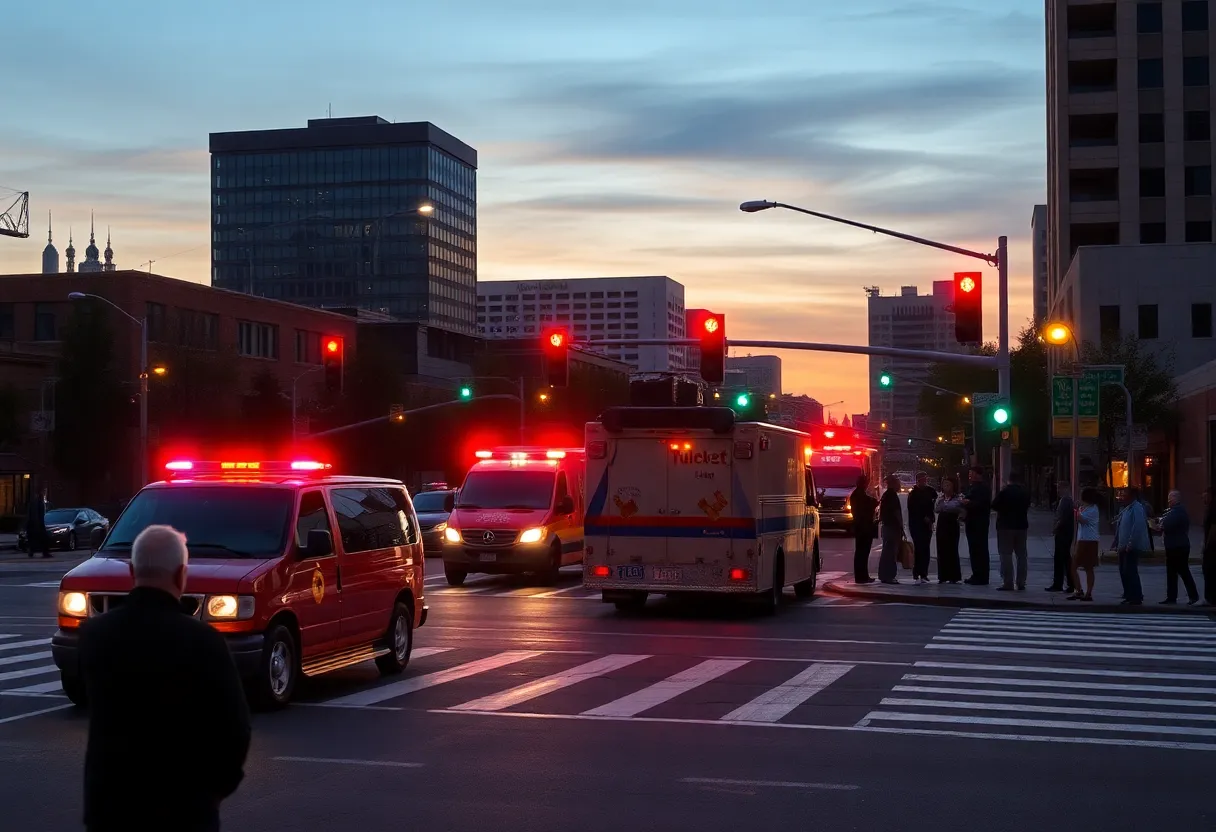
[(327, 216)]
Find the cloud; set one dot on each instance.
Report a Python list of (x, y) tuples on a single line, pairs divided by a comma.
[(608, 203)]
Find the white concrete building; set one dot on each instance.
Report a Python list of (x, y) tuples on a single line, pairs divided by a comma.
[(1038, 256), (1162, 294), (761, 373), (592, 308), (909, 321)]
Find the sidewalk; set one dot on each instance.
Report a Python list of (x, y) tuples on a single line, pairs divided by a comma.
[(1107, 590)]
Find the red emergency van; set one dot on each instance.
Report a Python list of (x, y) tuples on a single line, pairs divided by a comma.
[(520, 510)]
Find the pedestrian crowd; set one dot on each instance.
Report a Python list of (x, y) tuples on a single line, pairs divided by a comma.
[(957, 514)]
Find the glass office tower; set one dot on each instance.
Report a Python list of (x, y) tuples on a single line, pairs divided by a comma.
[(328, 216)]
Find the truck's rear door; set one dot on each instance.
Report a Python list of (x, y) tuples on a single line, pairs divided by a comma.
[(636, 503), (700, 519)]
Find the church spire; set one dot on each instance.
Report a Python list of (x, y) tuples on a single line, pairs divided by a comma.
[(48, 228), (108, 266), (92, 256), (50, 255), (71, 252)]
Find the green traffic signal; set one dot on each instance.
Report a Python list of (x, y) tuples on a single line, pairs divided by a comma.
[(466, 392), (1000, 415), (885, 379), (743, 400)]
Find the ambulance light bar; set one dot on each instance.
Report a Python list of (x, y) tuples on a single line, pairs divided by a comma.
[(524, 454), (184, 466)]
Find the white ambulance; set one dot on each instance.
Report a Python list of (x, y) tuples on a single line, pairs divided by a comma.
[(688, 500)]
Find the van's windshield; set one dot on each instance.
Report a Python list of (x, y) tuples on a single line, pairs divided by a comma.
[(507, 490), (835, 476), (246, 521)]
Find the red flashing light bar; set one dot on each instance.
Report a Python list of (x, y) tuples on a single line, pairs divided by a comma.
[(245, 466), (518, 454)]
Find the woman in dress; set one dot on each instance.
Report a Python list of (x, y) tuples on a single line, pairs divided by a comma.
[(949, 507), (1085, 553)]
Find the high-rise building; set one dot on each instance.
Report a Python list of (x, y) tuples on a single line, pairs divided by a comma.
[(761, 373), (593, 308), (908, 321), (1129, 126), (1038, 256), (329, 215)]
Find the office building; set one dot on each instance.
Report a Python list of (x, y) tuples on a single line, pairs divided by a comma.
[(761, 373), (1129, 126), (328, 215), (592, 308), (1038, 257), (908, 321)]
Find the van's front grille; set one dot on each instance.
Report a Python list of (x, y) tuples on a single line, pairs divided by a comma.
[(103, 602), (489, 537)]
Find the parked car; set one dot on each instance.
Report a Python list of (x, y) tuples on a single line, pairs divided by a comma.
[(69, 528), (434, 508)]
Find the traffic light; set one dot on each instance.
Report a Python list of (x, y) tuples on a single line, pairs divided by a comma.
[(968, 307), (332, 353), (1000, 415), (709, 328), (465, 392), (556, 346), (885, 379), (743, 400)]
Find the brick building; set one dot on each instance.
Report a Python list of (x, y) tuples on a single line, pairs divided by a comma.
[(187, 323)]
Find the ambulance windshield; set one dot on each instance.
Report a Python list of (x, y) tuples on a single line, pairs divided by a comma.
[(836, 476), (531, 490)]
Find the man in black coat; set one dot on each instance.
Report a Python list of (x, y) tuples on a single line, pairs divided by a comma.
[(978, 504), (36, 535), (921, 502), (865, 529), (168, 722)]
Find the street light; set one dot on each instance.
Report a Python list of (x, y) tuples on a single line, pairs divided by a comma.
[(142, 323), (1060, 334)]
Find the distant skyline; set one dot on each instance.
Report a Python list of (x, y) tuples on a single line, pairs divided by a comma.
[(614, 138)]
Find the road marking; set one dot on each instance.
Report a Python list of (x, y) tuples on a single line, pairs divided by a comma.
[(13, 645), (417, 683), (1046, 683), (1047, 724), (9, 635), (29, 671), (958, 704), (1080, 633), (778, 702), (341, 762), (1097, 643), (555, 592), (462, 590), (1056, 697), (1126, 620), (36, 713), (1031, 651), (775, 784), (423, 652), (28, 657), (1070, 671), (556, 681), (667, 689), (41, 585), (36, 690), (522, 592), (697, 637), (976, 735)]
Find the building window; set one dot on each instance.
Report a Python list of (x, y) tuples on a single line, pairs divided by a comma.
[(1198, 180), (255, 340), (1152, 233), (1108, 321), (1150, 74), (1197, 125), (1194, 15), (1201, 320), (1148, 18), (7, 322), (1152, 128), (1195, 71), (1147, 321), (44, 322), (198, 330), (1152, 182), (1199, 231), (156, 322), (308, 347)]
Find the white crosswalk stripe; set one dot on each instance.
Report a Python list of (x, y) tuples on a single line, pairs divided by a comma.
[(28, 659), (1031, 633)]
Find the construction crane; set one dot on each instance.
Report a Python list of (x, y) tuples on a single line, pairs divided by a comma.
[(15, 218)]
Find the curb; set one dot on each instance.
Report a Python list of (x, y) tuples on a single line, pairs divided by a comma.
[(982, 602)]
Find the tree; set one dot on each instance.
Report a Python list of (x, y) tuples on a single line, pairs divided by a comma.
[(197, 398), (267, 411), (93, 407), (947, 412)]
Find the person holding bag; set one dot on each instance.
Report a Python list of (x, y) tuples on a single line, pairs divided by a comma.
[(891, 518), (949, 508)]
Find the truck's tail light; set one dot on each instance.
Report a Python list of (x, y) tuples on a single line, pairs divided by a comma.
[(738, 574), (597, 449), (600, 571), (743, 450)]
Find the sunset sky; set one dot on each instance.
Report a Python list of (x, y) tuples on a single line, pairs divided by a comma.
[(615, 138)]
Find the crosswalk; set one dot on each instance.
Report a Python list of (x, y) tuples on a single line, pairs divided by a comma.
[(26, 668), (497, 586)]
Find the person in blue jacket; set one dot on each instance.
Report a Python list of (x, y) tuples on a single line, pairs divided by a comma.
[(1176, 537), (1132, 543)]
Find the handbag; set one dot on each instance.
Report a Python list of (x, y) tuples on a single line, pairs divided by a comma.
[(907, 553)]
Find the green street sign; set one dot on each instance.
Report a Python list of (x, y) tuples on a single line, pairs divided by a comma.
[(1106, 373), (1061, 396), (1089, 394)]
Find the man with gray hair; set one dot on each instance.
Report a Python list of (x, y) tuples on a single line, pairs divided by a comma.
[(168, 722)]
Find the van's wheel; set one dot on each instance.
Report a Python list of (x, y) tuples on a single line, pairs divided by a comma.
[(806, 589), (278, 670), (73, 688), (634, 602), (400, 642), (553, 574), (772, 598), (455, 576)]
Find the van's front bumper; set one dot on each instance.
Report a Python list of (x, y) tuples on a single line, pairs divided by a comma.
[(246, 649), (499, 560)]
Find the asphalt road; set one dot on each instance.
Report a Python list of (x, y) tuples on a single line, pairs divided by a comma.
[(537, 708)]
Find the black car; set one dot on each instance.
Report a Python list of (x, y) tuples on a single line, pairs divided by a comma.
[(69, 528), (433, 508)]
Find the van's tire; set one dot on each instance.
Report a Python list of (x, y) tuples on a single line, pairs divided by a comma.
[(806, 589), (73, 689), (278, 671), (554, 571), (455, 576), (771, 600), (400, 641)]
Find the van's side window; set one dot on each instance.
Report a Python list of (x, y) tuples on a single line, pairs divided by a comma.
[(312, 516), (810, 483), (368, 518), (562, 489), (406, 514)]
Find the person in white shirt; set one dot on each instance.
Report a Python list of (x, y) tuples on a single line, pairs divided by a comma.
[(1085, 553)]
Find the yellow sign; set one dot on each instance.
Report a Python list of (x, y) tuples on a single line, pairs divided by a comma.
[(1061, 427), (318, 586)]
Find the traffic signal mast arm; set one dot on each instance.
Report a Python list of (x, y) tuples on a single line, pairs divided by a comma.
[(428, 408), (987, 361)]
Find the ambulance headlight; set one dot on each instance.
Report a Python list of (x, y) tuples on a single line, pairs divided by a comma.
[(228, 607), (451, 535), (532, 535), (75, 604)]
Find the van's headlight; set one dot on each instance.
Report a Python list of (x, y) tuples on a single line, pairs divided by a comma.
[(440, 527), (532, 535), (451, 535), (75, 604), (228, 607)]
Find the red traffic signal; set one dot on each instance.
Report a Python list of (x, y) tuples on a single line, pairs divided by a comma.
[(968, 307), (332, 359), (710, 329), (556, 346)]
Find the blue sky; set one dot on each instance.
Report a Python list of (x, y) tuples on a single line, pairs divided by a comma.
[(614, 137)]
